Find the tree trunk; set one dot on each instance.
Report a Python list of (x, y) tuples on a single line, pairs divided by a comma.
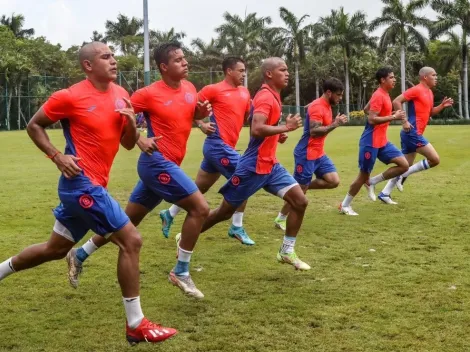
[(346, 75), (460, 96), (18, 93), (246, 78), (359, 96), (297, 88), (465, 74), (317, 88), (402, 68)]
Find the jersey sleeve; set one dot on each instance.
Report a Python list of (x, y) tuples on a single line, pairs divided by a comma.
[(207, 93), (376, 103), (412, 93), (139, 100), (315, 113), (263, 105), (59, 106)]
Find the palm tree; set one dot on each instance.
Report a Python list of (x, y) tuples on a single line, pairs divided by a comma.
[(402, 21), (241, 36), (206, 55), (454, 14), (349, 32), (15, 23), (271, 43), (295, 35), (157, 37), (124, 32), (98, 37)]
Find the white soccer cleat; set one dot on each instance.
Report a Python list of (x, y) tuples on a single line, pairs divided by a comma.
[(347, 210), (400, 184), (387, 199), (75, 267), (185, 284), (371, 192)]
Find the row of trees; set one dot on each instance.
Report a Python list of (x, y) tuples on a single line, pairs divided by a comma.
[(340, 44)]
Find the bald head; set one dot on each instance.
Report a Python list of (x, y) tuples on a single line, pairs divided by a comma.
[(89, 51), (426, 71), (270, 64)]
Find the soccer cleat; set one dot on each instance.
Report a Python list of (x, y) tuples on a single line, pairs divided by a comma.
[(240, 234), (75, 267), (167, 221), (347, 210), (280, 224), (387, 199), (148, 332), (370, 192), (400, 183), (292, 259), (186, 284)]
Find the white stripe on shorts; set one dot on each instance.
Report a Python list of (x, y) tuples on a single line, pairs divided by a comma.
[(282, 192), (63, 231)]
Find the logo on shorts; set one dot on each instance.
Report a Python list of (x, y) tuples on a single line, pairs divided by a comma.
[(367, 155), (86, 201), (119, 104), (189, 98), (224, 161), (235, 180), (299, 168), (419, 144), (164, 178)]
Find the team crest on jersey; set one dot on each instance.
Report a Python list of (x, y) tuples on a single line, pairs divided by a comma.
[(189, 98), (164, 178), (119, 104), (243, 94), (86, 201), (299, 168), (235, 180), (224, 161), (367, 155)]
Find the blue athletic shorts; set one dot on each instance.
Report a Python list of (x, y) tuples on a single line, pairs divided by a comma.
[(219, 158), (160, 179), (305, 169), (411, 141), (244, 183), (85, 207), (368, 156)]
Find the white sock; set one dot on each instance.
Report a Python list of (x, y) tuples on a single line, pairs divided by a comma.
[(184, 255), (390, 186), (133, 311), (281, 216), (6, 269), (288, 245), (376, 179), (174, 210), (89, 247), (419, 166), (347, 200), (237, 219)]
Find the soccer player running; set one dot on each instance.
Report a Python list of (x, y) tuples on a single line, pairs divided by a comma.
[(309, 154), (374, 143), (170, 106), (258, 167), (230, 102), (420, 107), (96, 117)]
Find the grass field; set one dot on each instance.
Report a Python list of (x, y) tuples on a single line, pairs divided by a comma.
[(393, 279)]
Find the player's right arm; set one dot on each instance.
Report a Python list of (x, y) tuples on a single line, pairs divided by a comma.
[(56, 108), (375, 106), (408, 95)]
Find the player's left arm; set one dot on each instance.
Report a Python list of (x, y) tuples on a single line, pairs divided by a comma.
[(445, 104), (318, 130), (203, 110), (130, 134)]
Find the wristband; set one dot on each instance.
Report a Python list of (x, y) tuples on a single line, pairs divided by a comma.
[(53, 156)]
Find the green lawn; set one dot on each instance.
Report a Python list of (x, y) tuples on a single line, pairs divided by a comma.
[(392, 279)]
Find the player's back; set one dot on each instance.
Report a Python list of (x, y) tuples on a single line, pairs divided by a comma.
[(313, 147), (91, 126), (230, 106), (169, 113), (376, 135), (260, 155)]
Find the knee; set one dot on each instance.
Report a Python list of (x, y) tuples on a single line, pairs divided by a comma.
[(132, 242), (403, 167), (334, 183), (434, 161), (201, 210), (300, 203)]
